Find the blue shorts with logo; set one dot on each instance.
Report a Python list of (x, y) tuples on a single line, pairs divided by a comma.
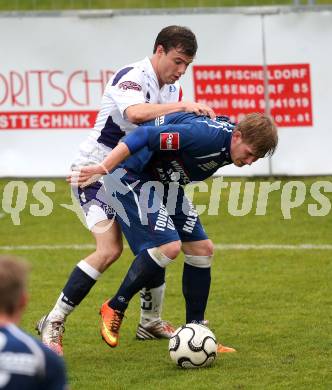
[(152, 214)]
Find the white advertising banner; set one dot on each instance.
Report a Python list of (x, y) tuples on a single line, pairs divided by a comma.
[(304, 38), (55, 68)]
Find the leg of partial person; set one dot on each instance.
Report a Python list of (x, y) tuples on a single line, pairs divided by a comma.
[(81, 280)]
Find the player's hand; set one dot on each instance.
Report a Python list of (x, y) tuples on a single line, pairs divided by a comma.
[(83, 176), (199, 109)]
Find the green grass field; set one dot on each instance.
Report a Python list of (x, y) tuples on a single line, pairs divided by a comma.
[(21, 5), (273, 305)]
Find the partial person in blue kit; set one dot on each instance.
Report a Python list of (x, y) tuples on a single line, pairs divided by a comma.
[(25, 363), (136, 93), (158, 221)]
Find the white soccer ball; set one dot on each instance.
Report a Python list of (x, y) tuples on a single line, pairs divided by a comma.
[(193, 346)]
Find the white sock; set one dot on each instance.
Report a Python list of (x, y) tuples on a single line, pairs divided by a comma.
[(151, 304), (60, 310), (63, 307)]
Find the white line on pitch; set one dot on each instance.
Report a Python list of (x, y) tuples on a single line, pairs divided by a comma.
[(217, 246), (273, 246), (47, 247)]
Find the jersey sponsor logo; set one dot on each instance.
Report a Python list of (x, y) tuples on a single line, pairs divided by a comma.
[(130, 85), (208, 166), (191, 220), (178, 168), (169, 141), (163, 220), (175, 173)]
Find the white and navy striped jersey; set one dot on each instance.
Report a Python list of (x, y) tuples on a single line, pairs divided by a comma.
[(133, 84), (27, 364)]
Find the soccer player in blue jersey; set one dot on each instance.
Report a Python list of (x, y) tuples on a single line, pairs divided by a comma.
[(156, 218), (136, 93), (25, 363)]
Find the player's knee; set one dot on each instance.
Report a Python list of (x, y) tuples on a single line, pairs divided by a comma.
[(207, 248), (171, 250), (202, 256), (108, 256)]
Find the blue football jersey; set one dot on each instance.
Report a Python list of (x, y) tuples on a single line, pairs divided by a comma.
[(180, 147), (27, 364)]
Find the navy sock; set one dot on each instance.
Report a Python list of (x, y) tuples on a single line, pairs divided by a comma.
[(157, 280), (195, 287), (141, 271), (77, 287)]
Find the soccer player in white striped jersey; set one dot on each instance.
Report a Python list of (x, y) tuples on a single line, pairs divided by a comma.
[(136, 93)]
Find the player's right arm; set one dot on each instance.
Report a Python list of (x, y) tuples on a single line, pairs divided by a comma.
[(83, 176), (140, 113), (127, 89)]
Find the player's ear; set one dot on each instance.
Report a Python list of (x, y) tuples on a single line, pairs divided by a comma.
[(236, 136), (160, 50), (24, 300)]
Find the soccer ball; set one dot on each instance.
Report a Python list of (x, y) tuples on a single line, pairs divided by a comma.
[(193, 346)]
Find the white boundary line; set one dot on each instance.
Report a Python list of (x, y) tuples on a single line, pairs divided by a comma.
[(235, 247), (301, 247)]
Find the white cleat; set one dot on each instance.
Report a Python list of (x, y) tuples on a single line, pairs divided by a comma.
[(51, 332), (155, 330)]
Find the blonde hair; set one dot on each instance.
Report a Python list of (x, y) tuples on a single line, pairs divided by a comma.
[(260, 132), (13, 283)]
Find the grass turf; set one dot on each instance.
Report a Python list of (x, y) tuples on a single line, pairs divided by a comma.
[(39, 5), (274, 306)]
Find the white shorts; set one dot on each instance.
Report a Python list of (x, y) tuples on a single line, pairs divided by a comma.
[(92, 198)]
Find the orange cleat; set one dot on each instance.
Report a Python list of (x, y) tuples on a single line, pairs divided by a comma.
[(110, 324), (222, 349)]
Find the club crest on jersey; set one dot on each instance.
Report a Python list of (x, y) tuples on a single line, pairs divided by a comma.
[(130, 85), (169, 141), (172, 88)]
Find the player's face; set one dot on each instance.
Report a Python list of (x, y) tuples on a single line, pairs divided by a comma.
[(241, 153), (171, 65)]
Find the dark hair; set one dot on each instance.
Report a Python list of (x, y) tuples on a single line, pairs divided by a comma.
[(177, 37), (260, 132)]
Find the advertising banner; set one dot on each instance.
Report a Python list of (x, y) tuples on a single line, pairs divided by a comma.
[(237, 90), (56, 67)]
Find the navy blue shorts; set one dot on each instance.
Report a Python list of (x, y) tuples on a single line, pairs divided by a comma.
[(152, 214)]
